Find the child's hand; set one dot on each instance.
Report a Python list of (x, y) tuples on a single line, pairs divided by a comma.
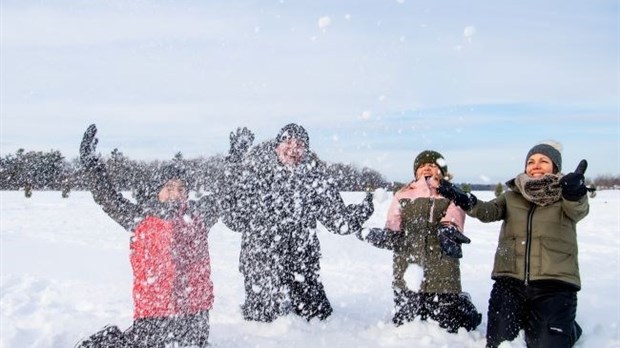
[(450, 239), (88, 157)]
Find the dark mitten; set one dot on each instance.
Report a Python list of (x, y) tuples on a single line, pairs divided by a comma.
[(240, 142), (450, 239), (88, 156), (360, 213), (461, 198), (573, 184)]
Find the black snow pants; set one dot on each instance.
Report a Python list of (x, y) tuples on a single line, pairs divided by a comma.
[(545, 310), (308, 295), (310, 300), (290, 285), (451, 311), (306, 298), (266, 297)]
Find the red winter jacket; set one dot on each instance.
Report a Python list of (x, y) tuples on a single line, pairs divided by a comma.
[(169, 248), (171, 266)]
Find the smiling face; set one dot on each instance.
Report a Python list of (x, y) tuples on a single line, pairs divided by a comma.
[(291, 151), (538, 165), (428, 170), (173, 190)]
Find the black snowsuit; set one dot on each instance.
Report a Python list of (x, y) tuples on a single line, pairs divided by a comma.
[(276, 208)]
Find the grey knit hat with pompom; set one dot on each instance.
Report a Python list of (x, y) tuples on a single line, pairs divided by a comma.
[(550, 151)]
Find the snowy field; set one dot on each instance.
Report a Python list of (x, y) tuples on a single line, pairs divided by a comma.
[(66, 274)]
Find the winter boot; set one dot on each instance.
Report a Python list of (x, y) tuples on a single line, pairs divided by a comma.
[(453, 311), (407, 305), (109, 337)]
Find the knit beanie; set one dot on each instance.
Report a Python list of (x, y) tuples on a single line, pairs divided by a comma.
[(170, 172), (429, 156), (293, 130), (156, 180), (549, 150)]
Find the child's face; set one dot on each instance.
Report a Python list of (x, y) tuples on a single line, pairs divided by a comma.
[(173, 190), (428, 170)]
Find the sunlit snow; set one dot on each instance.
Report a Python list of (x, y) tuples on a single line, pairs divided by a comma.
[(66, 274)]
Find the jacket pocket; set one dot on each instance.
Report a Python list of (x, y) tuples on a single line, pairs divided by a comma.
[(506, 256), (557, 258)]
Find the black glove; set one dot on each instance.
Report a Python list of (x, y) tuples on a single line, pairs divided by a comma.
[(240, 142), (450, 239), (462, 199), (573, 184), (88, 156), (360, 212)]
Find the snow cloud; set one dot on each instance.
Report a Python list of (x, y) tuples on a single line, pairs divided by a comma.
[(324, 22), (469, 32)]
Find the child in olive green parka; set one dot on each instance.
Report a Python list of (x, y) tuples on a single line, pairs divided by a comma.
[(424, 228)]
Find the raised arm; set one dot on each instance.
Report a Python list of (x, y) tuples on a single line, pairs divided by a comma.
[(232, 197), (120, 209), (574, 193)]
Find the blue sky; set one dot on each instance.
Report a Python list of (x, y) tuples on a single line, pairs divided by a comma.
[(373, 82)]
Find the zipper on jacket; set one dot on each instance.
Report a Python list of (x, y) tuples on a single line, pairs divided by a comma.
[(431, 199), (528, 243)]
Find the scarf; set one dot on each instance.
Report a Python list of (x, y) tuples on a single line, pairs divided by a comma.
[(540, 191)]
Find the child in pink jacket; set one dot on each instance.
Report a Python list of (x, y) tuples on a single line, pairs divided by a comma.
[(424, 228)]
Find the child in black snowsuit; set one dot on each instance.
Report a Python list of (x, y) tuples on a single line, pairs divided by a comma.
[(172, 288)]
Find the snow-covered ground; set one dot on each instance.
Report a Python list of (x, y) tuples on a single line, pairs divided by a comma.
[(66, 274)]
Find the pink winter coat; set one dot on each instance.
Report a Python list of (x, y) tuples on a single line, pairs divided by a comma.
[(421, 189)]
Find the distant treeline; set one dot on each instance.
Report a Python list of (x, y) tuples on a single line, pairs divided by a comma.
[(37, 170)]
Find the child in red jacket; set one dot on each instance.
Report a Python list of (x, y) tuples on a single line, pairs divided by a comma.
[(172, 288)]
